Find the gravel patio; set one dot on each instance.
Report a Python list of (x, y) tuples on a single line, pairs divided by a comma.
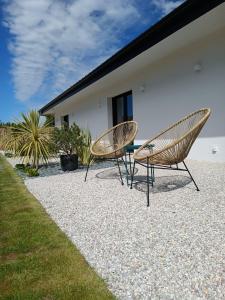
[(175, 249)]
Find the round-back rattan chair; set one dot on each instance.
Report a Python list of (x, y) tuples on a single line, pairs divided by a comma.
[(172, 145), (111, 144)]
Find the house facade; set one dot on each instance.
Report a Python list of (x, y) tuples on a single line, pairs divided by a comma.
[(172, 69)]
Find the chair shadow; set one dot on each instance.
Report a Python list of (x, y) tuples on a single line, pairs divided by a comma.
[(162, 184), (113, 173)]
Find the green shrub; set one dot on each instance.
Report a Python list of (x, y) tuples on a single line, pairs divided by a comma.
[(72, 140), (67, 140)]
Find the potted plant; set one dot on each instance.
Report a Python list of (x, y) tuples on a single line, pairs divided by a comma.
[(67, 141)]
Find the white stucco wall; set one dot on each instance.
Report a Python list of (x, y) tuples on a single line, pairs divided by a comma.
[(172, 90), (88, 113)]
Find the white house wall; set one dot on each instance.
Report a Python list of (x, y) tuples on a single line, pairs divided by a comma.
[(171, 90), (90, 113)]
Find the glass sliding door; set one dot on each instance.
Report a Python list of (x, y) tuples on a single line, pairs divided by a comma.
[(122, 108)]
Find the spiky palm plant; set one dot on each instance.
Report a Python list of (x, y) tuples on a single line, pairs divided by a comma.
[(30, 139)]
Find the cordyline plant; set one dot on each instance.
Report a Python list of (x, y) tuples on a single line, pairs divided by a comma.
[(30, 139)]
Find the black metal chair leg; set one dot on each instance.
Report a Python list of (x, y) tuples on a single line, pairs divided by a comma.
[(125, 164), (121, 178), (151, 175), (153, 172), (132, 176), (191, 176), (90, 158), (147, 182)]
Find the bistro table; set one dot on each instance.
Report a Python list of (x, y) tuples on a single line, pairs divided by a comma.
[(129, 149)]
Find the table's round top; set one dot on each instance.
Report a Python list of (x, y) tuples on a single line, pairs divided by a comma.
[(134, 147)]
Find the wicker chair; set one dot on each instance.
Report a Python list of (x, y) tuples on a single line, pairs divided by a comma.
[(171, 146), (110, 145)]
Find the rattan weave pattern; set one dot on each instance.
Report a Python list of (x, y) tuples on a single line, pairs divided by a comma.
[(112, 142), (173, 145)]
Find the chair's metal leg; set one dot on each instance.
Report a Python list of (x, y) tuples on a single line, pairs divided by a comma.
[(125, 164), (90, 158), (121, 178), (147, 182), (132, 176), (151, 175), (191, 176)]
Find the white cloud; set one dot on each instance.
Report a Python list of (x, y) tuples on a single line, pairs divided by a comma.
[(56, 42), (166, 6)]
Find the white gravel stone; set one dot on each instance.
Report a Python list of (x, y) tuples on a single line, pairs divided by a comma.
[(174, 249)]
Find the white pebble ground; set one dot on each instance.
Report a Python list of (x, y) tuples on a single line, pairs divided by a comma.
[(174, 249)]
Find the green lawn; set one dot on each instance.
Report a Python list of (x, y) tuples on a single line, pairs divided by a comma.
[(37, 259)]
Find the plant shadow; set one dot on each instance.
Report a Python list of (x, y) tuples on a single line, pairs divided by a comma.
[(54, 168)]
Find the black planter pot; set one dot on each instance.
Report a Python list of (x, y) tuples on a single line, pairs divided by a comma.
[(69, 162)]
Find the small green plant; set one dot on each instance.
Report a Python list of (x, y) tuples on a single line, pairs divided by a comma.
[(31, 172), (21, 167), (8, 154)]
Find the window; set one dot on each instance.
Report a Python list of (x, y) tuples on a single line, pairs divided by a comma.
[(65, 121)]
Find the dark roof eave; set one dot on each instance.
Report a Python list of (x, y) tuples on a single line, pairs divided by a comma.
[(177, 19)]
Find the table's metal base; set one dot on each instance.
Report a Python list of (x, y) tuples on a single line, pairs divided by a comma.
[(128, 150)]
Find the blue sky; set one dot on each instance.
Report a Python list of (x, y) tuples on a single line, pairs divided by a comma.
[(47, 45)]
